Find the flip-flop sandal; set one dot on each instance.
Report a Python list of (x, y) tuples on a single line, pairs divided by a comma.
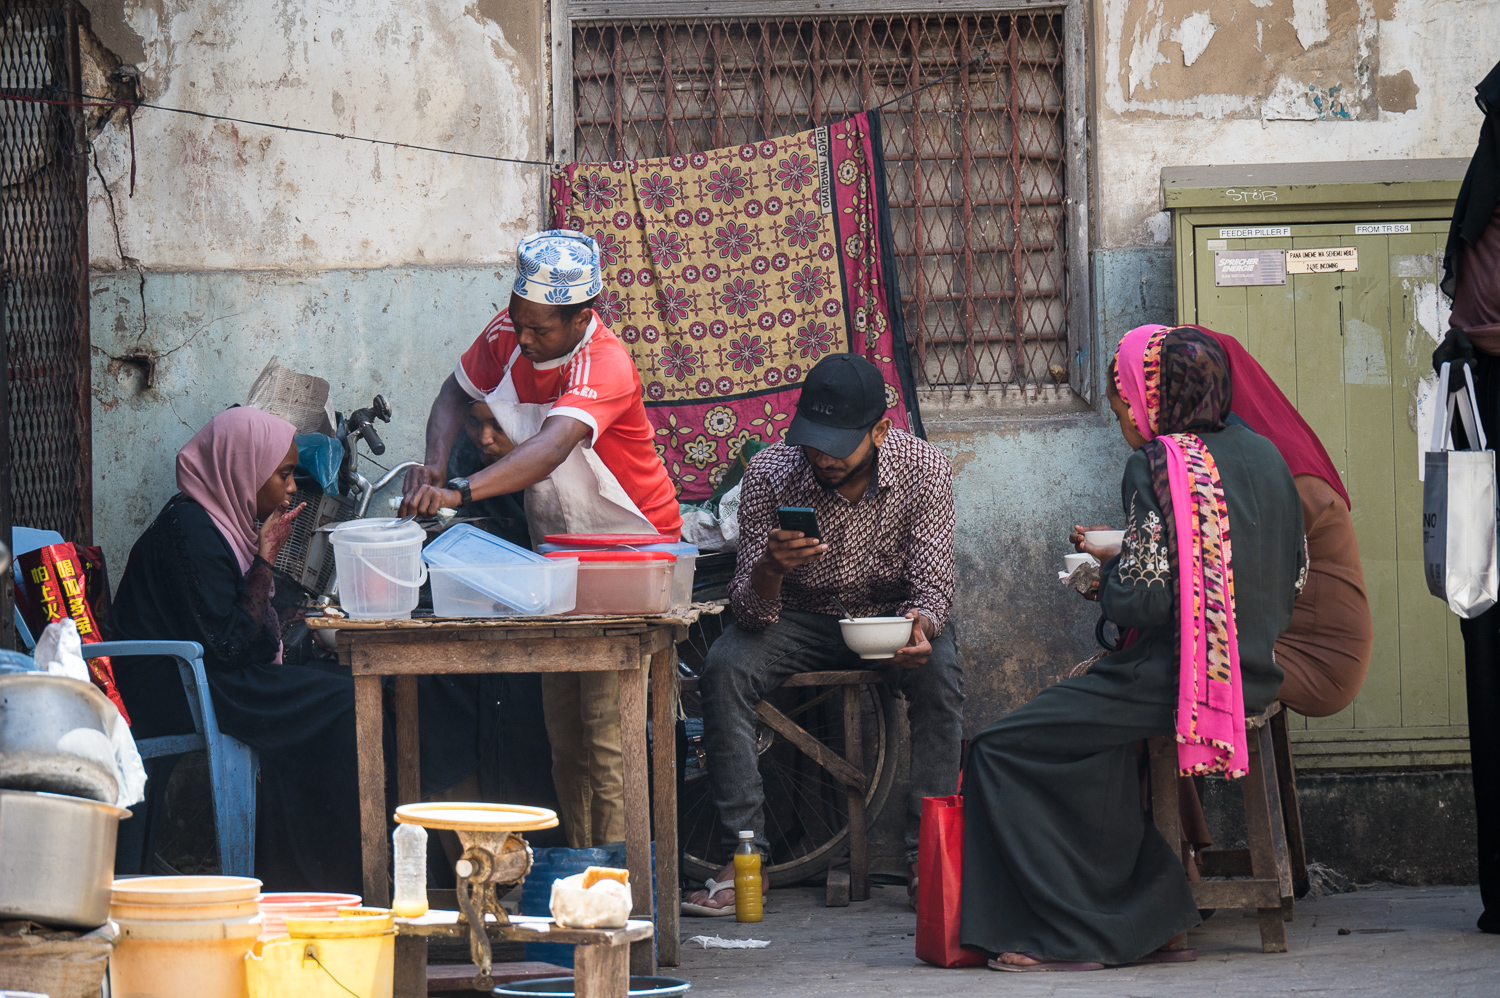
[(1046, 965), (1180, 955), (704, 911)]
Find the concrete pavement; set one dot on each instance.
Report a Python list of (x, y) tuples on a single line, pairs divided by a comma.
[(1402, 941)]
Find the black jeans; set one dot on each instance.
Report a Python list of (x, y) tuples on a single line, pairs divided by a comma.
[(743, 666), (1482, 673)]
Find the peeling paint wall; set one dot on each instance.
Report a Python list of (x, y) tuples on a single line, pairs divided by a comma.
[(1266, 81), (370, 266)]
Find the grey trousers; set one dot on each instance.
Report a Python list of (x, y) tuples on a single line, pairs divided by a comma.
[(743, 666)]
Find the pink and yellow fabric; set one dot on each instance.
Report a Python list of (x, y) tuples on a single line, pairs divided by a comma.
[(1210, 700), (728, 274)]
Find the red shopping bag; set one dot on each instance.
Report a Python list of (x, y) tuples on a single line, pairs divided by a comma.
[(940, 876)]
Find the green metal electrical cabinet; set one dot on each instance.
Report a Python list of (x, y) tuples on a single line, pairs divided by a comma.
[(1328, 274)]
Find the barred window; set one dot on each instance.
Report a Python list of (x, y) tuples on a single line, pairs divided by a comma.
[(975, 161)]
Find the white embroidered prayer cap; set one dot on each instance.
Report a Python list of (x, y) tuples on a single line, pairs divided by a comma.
[(558, 267)]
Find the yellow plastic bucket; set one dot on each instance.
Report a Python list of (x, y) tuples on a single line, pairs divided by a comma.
[(352, 954)]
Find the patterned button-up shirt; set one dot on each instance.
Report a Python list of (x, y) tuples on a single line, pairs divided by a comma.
[(890, 552)]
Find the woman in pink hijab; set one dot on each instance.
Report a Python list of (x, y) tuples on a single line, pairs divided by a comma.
[(1062, 869), (202, 572)]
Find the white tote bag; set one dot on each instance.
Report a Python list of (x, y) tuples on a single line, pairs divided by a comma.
[(1458, 508)]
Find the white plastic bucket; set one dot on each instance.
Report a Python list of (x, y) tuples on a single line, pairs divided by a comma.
[(380, 568)]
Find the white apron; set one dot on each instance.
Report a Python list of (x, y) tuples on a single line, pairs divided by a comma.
[(581, 496)]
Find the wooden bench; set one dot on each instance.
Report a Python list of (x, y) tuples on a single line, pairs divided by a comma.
[(1275, 862), (848, 769), (601, 963)]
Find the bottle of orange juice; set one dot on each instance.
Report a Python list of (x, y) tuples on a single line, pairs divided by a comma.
[(748, 903)]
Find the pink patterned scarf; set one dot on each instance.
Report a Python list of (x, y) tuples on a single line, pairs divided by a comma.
[(1210, 700)]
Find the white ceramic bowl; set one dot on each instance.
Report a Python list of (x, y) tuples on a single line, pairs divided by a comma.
[(1071, 562), (876, 637), (1109, 540)]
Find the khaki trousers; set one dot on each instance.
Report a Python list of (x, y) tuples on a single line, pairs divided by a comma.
[(588, 765)]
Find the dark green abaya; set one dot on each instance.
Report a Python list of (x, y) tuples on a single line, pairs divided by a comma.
[(1060, 859)]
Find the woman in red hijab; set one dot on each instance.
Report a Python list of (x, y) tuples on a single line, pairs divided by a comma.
[(1325, 653)]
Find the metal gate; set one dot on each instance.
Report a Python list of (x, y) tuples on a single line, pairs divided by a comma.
[(43, 197), (975, 162)]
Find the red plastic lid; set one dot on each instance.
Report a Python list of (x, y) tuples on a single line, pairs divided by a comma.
[(607, 540), (613, 555)]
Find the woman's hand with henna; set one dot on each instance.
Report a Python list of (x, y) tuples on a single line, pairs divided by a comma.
[(275, 531)]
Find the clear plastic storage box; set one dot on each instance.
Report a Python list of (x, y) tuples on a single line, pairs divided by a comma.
[(475, 574), (621, 582)]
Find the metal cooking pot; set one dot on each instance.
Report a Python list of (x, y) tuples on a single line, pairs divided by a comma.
[(57, 858), (54, 737)]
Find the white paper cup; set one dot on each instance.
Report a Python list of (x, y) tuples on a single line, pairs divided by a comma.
[(1107, 540), (1072, 562)]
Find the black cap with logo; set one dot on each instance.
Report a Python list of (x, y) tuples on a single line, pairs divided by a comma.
[(842, 398)]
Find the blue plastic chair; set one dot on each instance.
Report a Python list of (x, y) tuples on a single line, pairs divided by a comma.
[(231, 763)]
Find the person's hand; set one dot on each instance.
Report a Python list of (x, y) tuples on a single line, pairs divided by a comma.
[(1101, 554), (416, 478), (790, 549), (275, 531), (1093, 594), (1456, 349), (428, 499), (918, 648)]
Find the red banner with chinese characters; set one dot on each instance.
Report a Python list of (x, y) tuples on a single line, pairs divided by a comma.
[(56, 587)]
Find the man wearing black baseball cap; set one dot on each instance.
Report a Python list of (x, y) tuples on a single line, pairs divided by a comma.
[(883, 546)]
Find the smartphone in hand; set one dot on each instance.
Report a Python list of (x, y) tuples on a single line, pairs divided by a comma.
[(802, 518)]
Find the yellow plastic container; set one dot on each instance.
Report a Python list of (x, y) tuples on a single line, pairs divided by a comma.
[(353, 954), (183, 937)]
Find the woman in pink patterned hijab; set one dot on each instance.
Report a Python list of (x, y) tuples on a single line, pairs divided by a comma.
[(1062, 869)]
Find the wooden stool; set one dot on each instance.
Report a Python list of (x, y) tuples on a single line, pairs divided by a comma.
[(1275, 863), (843, 885)]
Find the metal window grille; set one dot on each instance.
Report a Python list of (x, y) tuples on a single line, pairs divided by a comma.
[(975, 163), (45, 270)]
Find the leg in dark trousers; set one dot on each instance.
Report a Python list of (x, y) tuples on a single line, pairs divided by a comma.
[(742, 667), (1482, 670), (934, 693)]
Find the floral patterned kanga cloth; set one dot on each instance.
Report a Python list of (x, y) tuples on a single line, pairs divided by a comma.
[(728, 274)]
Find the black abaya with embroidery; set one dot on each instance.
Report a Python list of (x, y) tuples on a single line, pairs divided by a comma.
[(1060, 859)]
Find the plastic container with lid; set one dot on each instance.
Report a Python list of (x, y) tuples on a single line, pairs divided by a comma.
[(380, 568), (183, 937), (621, 582), (682, 576), (476, 574), (275, 909)]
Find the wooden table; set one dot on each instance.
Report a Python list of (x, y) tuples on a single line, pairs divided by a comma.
[(406, 649), (600, 966)]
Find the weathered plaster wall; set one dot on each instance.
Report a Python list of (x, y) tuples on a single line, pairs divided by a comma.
[(370, 266), (1020, 486), (1262, 81), (221, 195)]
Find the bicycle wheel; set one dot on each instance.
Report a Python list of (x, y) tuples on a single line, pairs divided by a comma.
[(806, 809)]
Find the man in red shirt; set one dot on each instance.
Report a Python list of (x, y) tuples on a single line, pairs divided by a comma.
[(549, 349), (564, 389)]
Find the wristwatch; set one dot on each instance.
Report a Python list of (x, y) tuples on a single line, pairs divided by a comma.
[(462, 485)]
